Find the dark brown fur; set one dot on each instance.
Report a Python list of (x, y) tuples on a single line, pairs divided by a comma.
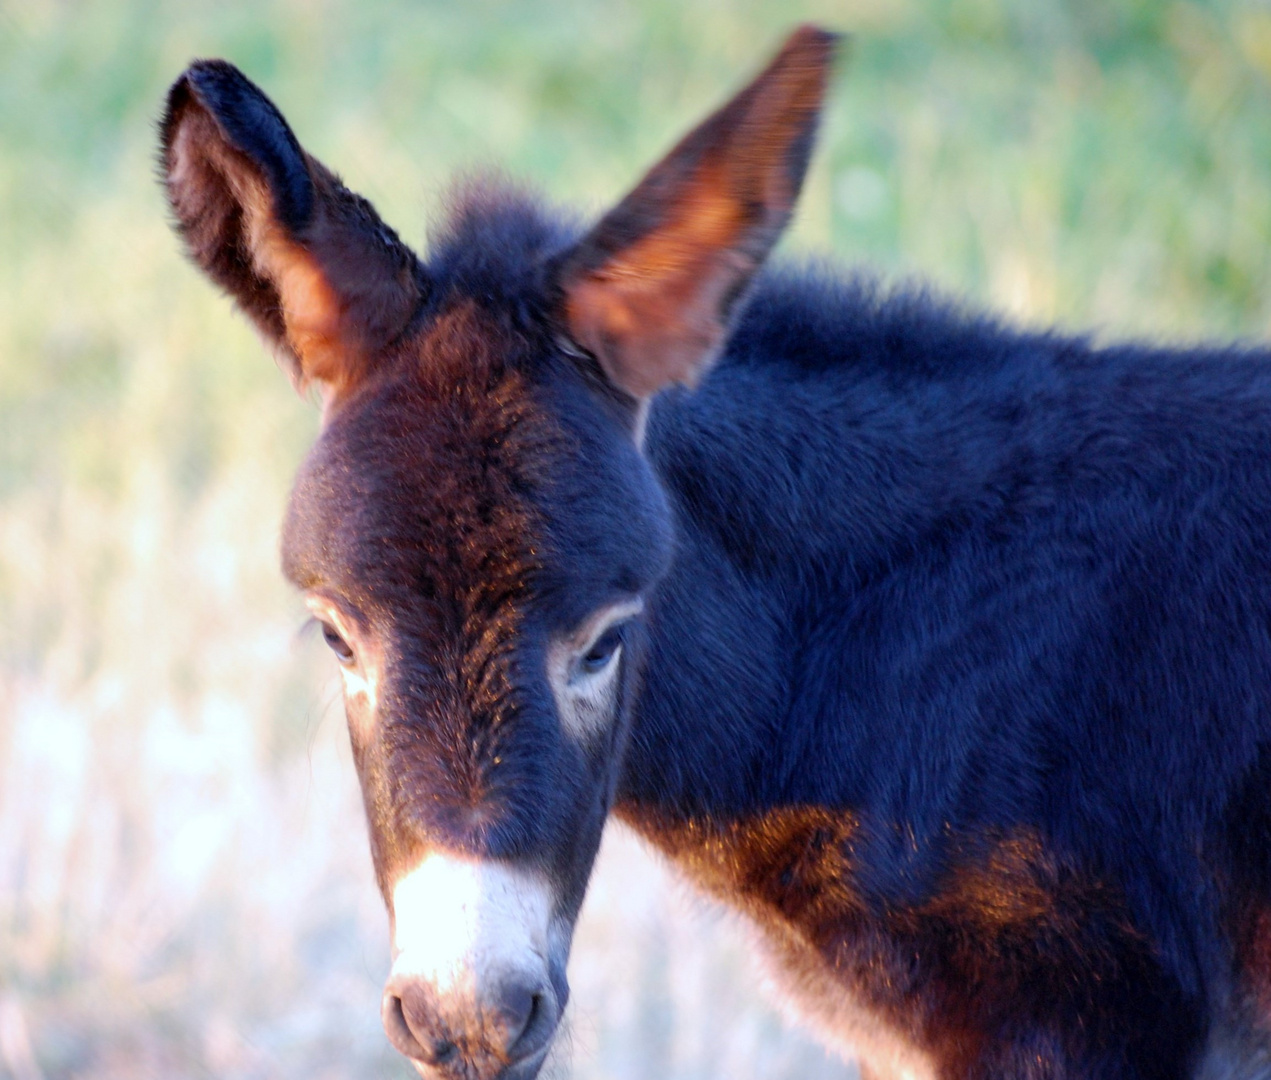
[(945, 650)]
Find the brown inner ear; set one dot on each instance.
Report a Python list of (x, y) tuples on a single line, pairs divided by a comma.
[(650, 290), (349, 287), (209, 188), (288, 284), (655, 313), (331, 293), (317, 327)]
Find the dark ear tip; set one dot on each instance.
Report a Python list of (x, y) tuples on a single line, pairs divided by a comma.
[(252, 124), (815, 47), (812, 35), (220, 82), (814, 39), (207, 82), (208, 79), (223, 89), (805, 63)]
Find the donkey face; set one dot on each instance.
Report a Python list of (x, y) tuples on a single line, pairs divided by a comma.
[(476, 529), (454, 532)]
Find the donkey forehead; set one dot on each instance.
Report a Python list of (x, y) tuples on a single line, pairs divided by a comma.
[(417, 481), (477, 468)]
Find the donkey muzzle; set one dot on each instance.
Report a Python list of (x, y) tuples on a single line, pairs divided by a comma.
[(478, 985), (504, 1035)]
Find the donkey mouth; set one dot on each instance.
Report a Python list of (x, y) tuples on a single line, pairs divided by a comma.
[(525, 1069)]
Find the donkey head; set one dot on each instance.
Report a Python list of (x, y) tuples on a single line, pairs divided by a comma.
[(476, 528)]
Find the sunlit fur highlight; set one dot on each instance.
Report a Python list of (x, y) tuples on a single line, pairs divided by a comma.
[(461, 924)]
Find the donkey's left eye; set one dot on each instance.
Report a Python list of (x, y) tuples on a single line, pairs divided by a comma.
[(342, 649), (602, 651)]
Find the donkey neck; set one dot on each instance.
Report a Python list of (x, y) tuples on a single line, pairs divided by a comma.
[(795, 479), (843, 440)]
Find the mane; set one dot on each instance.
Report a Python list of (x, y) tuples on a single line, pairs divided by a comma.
[(493, 240), (817, 314), (496, 239)]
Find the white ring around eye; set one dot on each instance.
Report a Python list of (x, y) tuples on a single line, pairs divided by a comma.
[(586, 700), (581, 672), (361, 677)]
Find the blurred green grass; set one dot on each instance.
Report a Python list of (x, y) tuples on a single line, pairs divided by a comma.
[(184, 887)]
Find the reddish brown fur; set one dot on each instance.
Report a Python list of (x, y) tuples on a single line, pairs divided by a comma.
[(456, 403), (1254, 948), (1011, 931)]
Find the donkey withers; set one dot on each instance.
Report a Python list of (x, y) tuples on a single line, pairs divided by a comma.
[(939, 650)]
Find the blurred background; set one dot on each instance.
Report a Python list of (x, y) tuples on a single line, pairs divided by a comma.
[(185, 888)]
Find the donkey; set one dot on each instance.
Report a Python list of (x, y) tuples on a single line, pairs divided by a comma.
[(939, 650)]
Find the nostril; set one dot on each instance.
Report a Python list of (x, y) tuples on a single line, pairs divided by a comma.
[(512, 1015), (414, 1041), (529, 1043), (397, 1029), (514, 1025), (532, 1024)]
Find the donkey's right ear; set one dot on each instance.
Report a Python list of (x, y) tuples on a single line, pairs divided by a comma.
[(325, 280)]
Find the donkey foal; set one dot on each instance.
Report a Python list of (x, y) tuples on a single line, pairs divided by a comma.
[(940, 650)]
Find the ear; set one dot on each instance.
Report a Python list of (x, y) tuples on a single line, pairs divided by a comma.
[(324, 279), (650, 289)]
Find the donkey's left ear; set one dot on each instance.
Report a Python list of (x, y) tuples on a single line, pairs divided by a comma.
[(650, 289), (313, 266)]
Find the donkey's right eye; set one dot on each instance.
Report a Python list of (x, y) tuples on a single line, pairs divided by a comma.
[(342, 649)]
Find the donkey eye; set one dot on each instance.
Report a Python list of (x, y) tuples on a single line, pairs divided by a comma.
[(602, 651), (343, 651)]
